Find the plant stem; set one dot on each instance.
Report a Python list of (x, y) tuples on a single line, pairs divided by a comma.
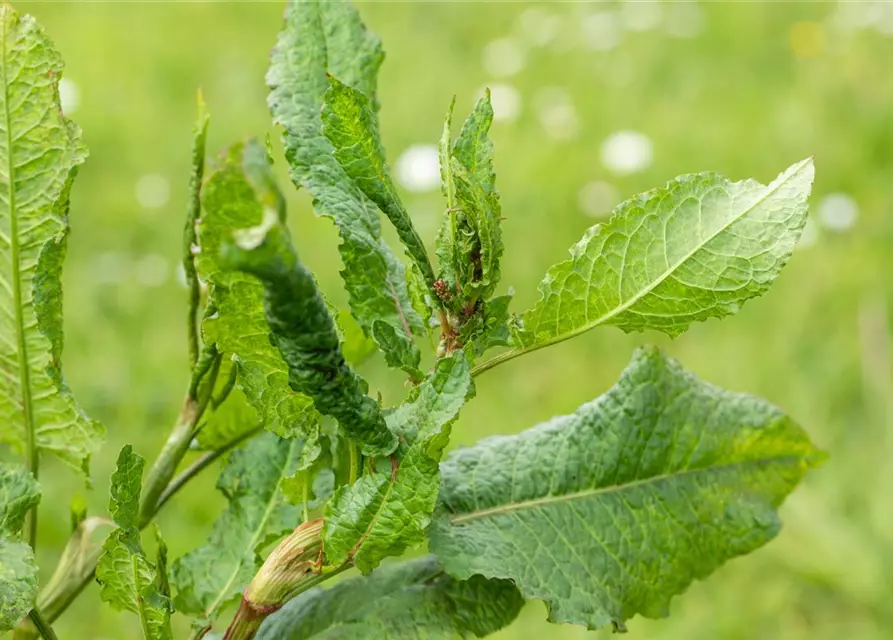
[(200, 465), (43, 627), (55, 602), (177, 444), (502, 357)]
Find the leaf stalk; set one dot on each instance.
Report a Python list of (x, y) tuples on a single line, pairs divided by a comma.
[(43, 627)]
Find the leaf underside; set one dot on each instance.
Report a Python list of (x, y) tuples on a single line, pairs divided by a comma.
[(695, 249), (405, 601), (610, 511), (40, 151)]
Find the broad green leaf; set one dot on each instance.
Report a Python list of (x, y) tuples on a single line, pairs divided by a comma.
[(40, 151), (400, 352), (18, 581), (350, 123), (387, 510), (412, 600), (321, 38), (305, 334), (19, 493), (128, 580), (611, 511), (232, 200), (469, 245), (214, 575), (695, 249)]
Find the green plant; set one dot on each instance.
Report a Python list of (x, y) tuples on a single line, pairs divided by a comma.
[(603, 514)]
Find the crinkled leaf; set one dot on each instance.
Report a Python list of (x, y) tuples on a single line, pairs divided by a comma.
[(18, 581), (474, 149), (321, 38), (305, 334), (235, 197), (124, 502), (695, 249), (489, 327), (421, 297), (350, 123), (19, 493), (470, 240), (480, 235), (404, 601), (40, 151), (128, 580), (387, 510), (214, 575), (610, 511), (495, 331), (400, 352)]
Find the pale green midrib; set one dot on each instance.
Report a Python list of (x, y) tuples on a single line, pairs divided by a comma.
[(513, 353), (22, 346), (594, 491), (222, 594), (384, 500)]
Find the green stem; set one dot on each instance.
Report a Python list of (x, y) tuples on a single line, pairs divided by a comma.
[(177, 444), (503, 357), (200, 465), (43, 627), (54, 601)]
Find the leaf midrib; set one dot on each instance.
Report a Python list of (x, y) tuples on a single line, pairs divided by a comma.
[(508, 355), (21, 346), (594, 491)]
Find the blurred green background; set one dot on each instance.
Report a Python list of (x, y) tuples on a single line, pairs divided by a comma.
[(594, 103)]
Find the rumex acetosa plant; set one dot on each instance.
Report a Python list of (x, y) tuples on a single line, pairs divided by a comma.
[(604, 513)]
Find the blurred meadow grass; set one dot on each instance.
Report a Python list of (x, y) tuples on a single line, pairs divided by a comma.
[(741, 88)]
